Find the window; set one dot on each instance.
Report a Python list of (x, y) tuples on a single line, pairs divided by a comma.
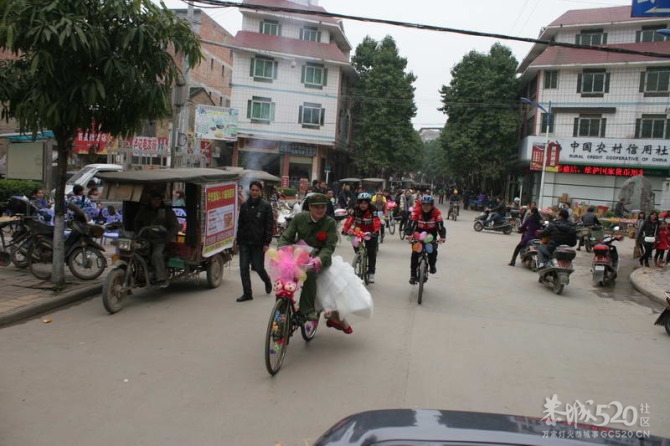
[(260, 110), (310, 33), (550, 80), (593, 83), (223, 71), (591, 37), (589, 125), (263, 69), (314, 76), (650, 34), (211, 64), (544, 123), (271, 27), (311, 116), (653, 127), (655, 81)]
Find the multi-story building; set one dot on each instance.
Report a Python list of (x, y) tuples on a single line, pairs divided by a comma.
[(609, 112), (290, 84), (429, 133)]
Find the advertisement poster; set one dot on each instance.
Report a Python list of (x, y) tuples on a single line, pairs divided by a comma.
[(553, 157), (220, 221), (215, 123)]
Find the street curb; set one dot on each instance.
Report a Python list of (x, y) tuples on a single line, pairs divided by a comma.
[(48, 304), (639, 282)]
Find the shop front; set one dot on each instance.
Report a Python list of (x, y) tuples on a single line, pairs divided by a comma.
[(591, 170)]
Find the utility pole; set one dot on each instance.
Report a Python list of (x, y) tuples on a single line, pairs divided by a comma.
[(181, 122)]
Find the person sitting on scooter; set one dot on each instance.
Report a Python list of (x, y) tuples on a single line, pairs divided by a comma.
[(454, 200), (363, 217), (589, 220), (497, 213), (156, 214), (529, 230), (560, 232), (429, 219)]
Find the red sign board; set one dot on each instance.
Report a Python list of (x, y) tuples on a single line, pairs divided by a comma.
[(220, 211), (597, 170), (284, 181), (553, 157)]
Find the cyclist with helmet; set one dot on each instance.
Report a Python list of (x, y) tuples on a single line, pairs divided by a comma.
[(454, 202), (363, 217), (427, 218)]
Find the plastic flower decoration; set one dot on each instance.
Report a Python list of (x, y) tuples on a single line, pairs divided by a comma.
[(287, 267)]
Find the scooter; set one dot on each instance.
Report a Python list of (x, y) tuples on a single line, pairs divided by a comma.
[(605, 263), (503, 225), (589, 236), (664, 318), (528, 254), (556, 272)]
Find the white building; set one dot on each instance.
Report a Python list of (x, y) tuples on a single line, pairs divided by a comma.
[(609, 110), (290, 82)]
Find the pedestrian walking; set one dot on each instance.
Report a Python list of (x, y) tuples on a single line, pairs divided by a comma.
[(254, 235)]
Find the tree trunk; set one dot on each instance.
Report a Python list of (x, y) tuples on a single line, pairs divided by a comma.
[(58, 273)]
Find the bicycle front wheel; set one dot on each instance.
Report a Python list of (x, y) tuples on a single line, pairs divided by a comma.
[(277, 337), (423, 273), (401, 230), (364, 267), (392, 225), (357, 265)]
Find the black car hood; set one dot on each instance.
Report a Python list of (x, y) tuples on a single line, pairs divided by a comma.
[(442, 427)]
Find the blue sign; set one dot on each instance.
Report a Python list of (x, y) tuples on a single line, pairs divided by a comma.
[(650, 8)]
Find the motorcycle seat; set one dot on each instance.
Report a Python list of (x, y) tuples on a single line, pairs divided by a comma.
[(601, 248)]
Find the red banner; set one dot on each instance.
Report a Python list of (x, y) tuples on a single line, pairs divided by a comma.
[(220, 211), (284, 181), (553, 157)]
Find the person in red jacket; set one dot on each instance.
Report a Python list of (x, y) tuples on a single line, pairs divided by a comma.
[(426, 218), (662, 244), (364, 218)]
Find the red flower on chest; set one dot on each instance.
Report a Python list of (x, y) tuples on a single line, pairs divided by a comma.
[(321, 236)]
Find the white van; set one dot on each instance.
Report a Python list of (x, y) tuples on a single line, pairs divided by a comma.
[(89, 174)]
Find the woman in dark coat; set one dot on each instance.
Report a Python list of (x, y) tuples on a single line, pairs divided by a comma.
[(647, 231), (529, 229)]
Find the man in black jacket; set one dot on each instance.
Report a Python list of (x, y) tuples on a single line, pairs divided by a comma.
[(254, 235), (560, 232), (589, 220)]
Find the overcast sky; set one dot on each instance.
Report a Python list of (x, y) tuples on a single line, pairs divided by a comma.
[(431, 55)]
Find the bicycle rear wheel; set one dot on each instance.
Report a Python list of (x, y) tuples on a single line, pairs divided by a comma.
[(392, 225), (423, 273), (277, 337), (401, 230)]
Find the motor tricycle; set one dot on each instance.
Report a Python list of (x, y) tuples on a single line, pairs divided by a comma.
[(206, 231)]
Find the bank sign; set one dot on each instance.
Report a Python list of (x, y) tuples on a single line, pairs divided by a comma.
[(630, 153)]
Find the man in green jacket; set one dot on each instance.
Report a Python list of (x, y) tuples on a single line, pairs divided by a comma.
[(319, 231)]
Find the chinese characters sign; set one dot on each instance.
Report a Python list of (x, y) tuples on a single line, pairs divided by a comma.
[(596, 170), (610, 152), (297, 149), (552, 157), (216, 123), (220, 210)]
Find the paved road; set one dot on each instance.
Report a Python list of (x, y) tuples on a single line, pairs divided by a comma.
[(186, 366)]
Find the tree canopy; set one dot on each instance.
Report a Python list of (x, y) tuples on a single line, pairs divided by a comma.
[(384, 140), (83, 61), (482, 126)]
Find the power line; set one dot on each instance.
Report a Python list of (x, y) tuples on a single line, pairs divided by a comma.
[(228, 4)]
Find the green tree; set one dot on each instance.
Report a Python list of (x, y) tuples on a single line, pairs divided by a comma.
[(384, 140), (107, 62), (482, 125), (435, 162)]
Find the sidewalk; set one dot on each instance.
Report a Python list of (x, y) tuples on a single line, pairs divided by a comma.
[(652, 282), (24, 296)]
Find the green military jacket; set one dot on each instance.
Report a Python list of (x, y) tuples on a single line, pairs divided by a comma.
[(302, 227)]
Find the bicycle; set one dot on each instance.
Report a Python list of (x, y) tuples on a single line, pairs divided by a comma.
[(284, 320), (402, 223), (391, 224), (360, 261), (422, 266)]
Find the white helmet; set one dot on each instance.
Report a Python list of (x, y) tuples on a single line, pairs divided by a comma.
[(517, 200)]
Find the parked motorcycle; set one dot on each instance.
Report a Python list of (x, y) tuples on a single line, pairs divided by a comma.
[(556, 272), (664, 318), (589, 236), (83, 255), (503, 225), (605, 263)]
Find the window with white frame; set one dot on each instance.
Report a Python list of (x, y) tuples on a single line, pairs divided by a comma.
[(263, 69), (591, 37), (311, 33), (589, 126), (271, 27), (314, 75), (655, 81), (650, 34), (311, 116), (593, 82), (550, 79), (652, 127), (260, 110)]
